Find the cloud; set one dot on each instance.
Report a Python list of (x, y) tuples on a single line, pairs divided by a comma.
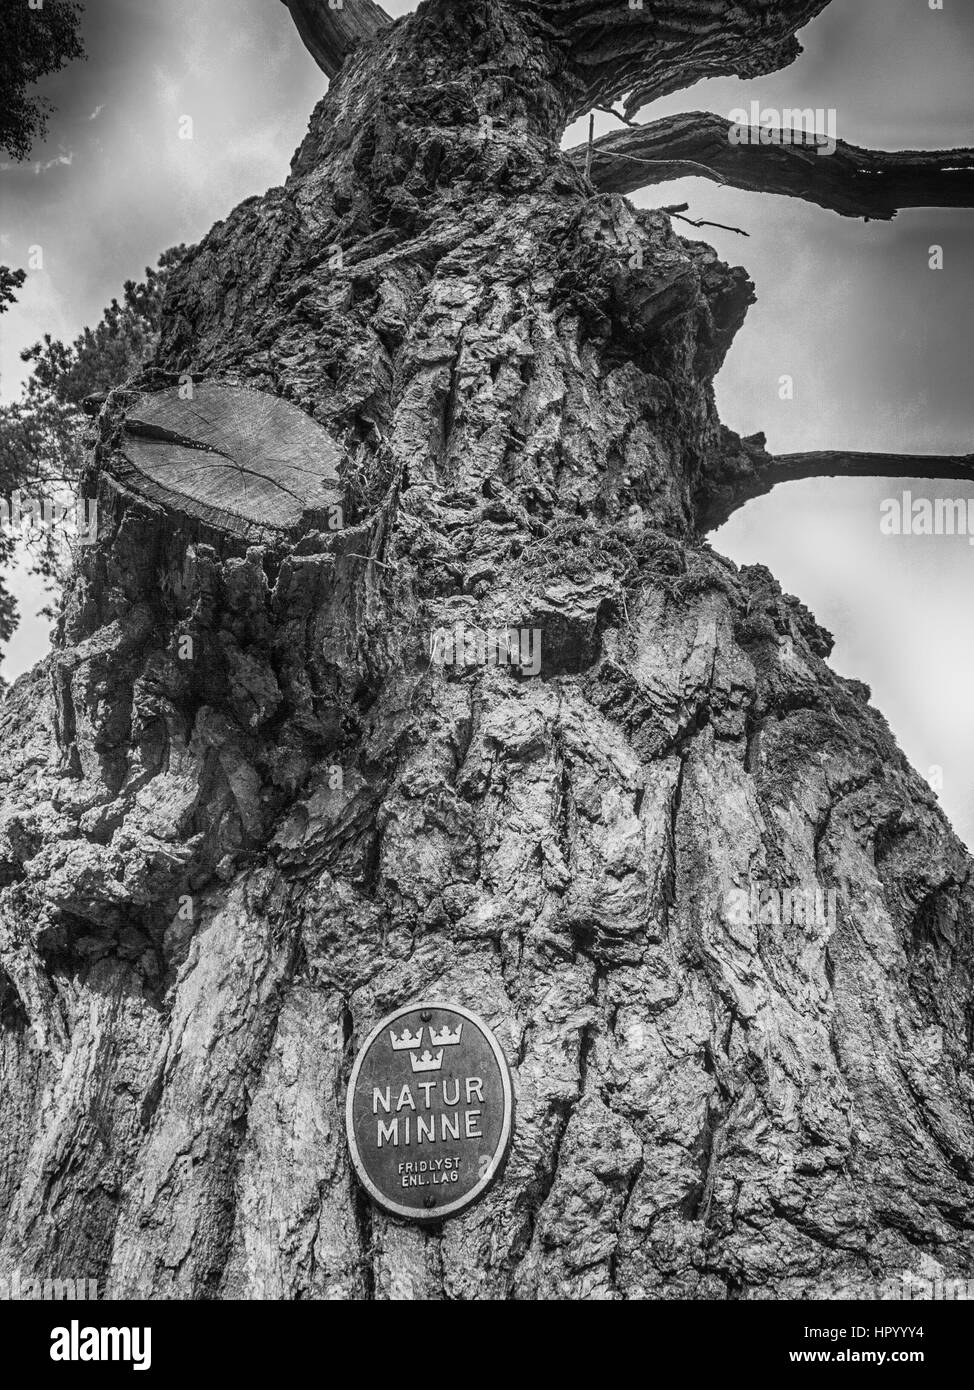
[(97, 112), (42, 167)]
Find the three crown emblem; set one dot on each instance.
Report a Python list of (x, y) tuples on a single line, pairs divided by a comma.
[(425, 1061)]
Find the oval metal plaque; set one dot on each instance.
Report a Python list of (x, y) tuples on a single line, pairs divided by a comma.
[(428, 1111)]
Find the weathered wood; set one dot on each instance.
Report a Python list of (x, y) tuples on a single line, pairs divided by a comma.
[(852, 181), (240, 460), (329, 34)]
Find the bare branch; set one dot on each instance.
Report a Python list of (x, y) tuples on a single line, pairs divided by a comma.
[(330, 35), (748, 471), (680, 209), (852, 181), (841, 463)]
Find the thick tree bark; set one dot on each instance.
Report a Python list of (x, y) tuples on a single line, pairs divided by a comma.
[(202, 919), (645, 51)]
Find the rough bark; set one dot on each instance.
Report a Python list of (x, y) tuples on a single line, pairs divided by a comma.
[(855, 182), (613, 50), (200, 924)]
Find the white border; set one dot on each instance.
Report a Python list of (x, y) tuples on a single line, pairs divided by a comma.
[(418, 1213)]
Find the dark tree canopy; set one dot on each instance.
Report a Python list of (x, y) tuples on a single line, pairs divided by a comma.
[(33, 44), (121, 342), (43, 432), (10, 283)]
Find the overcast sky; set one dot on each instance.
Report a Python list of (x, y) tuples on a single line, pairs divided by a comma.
[(877, 343)]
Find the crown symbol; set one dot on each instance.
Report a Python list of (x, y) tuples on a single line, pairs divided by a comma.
[(401, 1044), (446, 1038), (427, 1062)]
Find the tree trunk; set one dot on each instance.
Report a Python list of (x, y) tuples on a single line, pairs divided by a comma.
[(246, 815)]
